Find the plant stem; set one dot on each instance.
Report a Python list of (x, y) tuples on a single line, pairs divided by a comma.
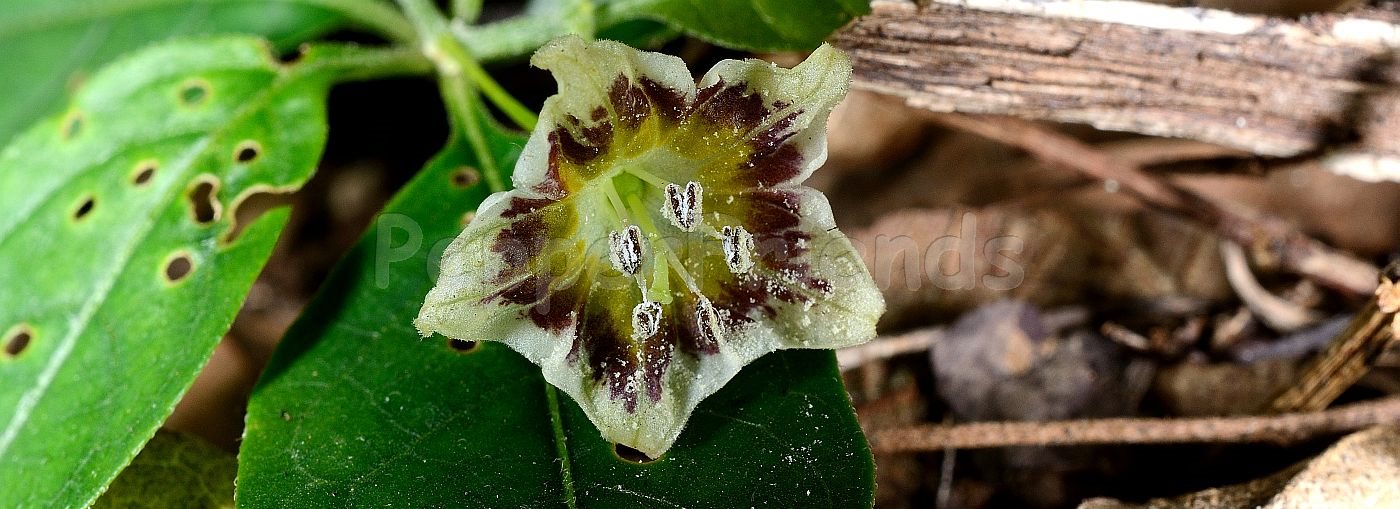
[(454, 61), (466, 11), (518, 113), (467, 115), (508, 38), (372, 15), (368, 64)]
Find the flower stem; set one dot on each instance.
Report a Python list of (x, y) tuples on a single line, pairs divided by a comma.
[(376, 63), (466, 10), (466, 109), (453, 60), (507, 38), (372, 15), (518, 113)]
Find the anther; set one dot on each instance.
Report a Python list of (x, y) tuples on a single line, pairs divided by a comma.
[(738, 244), (683, 206), (625, 250), (707, 320), (646, 320)]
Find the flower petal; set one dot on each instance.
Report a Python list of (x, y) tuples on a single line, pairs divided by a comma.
[(498, 270), (775, 118), (612, 100)]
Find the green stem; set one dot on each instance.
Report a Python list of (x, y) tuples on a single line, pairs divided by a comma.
[(369, 64), (454, 61), (467, 113), (508, 38), (560, 446), (518, 113), (466, 10), (373, 15), (424, 17)]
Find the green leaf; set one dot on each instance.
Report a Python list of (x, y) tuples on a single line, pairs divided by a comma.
[(757, 25), (356, 410), (121, 268), (55, 44), (174, 470)]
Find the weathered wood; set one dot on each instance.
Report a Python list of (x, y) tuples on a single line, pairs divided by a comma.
[(1272, 86)]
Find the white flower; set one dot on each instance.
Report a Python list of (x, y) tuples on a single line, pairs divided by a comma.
[(658, 237)]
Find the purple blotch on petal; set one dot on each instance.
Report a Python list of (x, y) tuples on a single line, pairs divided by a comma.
[(767, 141), (609, 355), (519, 243), (556, 311), (571, 148), (772, 211), (656, 354), (782, 165), (519, 206), (553, 183), (670, 103), (731, 105), (629, 102), (525, 291)]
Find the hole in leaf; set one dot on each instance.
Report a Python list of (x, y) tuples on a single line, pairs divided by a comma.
[(462, 345), (84, 207), (631, 455), (291, 57), (465, 177), (194, 92), (178, 267), (143, 173), (17, 339), (247, 152), (73, 126), (254, 202), (203, 203)]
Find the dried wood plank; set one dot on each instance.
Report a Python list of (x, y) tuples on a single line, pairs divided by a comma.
[(1273, 86)]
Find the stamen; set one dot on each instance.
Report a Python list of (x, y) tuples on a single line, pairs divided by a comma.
[(646, 176), (707, 320), (625, 250), (738, 245), (646, 320), (683, 208), (662, 248)]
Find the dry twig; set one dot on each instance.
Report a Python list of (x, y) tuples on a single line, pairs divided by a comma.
[(1351, 354), (1281, 315), (883, 348), (1282, 428), (1271, 237)]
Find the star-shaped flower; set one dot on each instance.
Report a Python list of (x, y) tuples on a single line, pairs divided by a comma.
[(658, 237)]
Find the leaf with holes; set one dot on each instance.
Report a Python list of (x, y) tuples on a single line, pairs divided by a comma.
[(760, 25), (123, 264), (356, 411), (56, 44)]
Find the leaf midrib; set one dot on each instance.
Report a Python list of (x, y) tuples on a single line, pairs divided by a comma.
[(561, 447)]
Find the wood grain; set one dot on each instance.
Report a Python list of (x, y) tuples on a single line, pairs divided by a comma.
[(1273, 86)]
